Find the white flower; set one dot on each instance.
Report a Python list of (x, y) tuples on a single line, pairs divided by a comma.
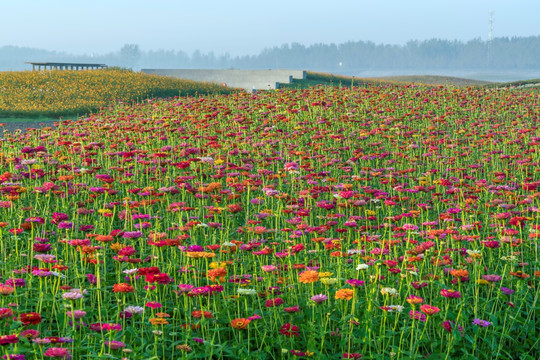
[(130, 271), (397, 308), (29, 161), (208, 160), (57, 274), (362, 267), (135, 310), (229, 244), (389, 291), (241, 291)]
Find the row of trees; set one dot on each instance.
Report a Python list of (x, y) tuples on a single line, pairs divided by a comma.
[(517, 53)]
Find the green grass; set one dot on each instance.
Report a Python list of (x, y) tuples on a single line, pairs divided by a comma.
[(533, 83), (435, 80), (325, 79), (315, 79)]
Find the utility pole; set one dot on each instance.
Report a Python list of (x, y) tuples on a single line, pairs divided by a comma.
[(490, 38)]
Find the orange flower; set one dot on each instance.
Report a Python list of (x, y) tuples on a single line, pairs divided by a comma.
[(158, 321), (413, 300), (199, 314), (459, 272), (123, 288), (217, 274), (240, 323), (104, 238), (344, 294), (520, 274), (308, 277)]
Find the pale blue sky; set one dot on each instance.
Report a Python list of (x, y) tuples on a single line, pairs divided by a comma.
[(247, 27)]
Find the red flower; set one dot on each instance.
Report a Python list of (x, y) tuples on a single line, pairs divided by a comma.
[(123, 288), (274, 302), (289, 330), (31, 318)]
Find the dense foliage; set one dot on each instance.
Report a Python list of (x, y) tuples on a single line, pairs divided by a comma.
[(389, 222), (503, 53)]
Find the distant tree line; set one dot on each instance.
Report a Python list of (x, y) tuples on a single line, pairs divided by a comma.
[(503, 53)]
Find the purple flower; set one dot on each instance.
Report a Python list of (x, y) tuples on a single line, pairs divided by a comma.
[(86, 228), (199, 340), (319, 298), (481, 322), (132, 234), (16, 282), (507, 291), (65, 225), (491, 278), (92, 278), (14, 357)]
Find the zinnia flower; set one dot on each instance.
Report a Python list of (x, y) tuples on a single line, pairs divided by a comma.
[(289, 330), (344, 294), (429, 310), (274, 302), (31, 318), (450, 293), (240, 323), (319, 298), (417, 315), (307, 277), (481, 322), (57, 352), (413, 300), (123, 288), (114, 344)]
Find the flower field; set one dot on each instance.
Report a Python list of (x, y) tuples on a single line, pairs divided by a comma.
[(383, 222), (58, 93)]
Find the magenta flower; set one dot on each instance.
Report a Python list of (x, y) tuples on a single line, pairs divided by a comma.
[(58, 353), (481, 322)]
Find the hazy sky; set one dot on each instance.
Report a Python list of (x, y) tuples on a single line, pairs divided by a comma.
[(247, 27)]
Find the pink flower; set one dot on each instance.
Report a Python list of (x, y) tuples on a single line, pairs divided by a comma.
[(429, 310), (417, 315), (450, 293), (57, 352), (153, 305), (291, 166)]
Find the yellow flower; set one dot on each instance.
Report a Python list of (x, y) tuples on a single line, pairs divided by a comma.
[(325, 274), (116, 246), (329, 281), (215, 264)]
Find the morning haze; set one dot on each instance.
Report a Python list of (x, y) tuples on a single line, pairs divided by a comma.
[(349, 37)]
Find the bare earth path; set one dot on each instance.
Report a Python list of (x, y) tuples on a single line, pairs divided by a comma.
[(23, 125)]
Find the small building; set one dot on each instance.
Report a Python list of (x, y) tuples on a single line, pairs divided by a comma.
[(64, 66)]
